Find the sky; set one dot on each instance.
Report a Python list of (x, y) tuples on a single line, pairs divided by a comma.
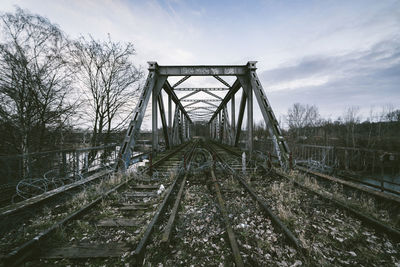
[(333, 54)]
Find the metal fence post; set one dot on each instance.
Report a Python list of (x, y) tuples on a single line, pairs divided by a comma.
[(77, 170)]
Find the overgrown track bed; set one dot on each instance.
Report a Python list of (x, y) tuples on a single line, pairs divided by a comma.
[(214, 229), (381, 211), (330, 235), (109, 226), (382, 206), (198, 235), (260, 242)]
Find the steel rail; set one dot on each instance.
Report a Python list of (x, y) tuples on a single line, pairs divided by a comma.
[(392, 232), (20, 254), (231, 235), (378, 225), (275, 219), (168, 228), (138, 254), (46, 196), (354, 186)]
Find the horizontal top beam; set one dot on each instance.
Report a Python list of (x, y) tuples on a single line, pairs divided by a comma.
[(203, 70), (202, 89)]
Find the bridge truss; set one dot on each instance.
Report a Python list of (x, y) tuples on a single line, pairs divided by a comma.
[(213, 111)]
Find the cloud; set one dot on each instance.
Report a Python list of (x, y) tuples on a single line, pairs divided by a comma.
[(364, 79), (382, 59)]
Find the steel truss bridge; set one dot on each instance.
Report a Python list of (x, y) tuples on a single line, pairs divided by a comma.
[(214, 111)]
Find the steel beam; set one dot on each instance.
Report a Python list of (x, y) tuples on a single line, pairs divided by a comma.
[(190, 109), (214, 95), (194, 100), (233, 113), (222, 81), (126, 150), (186, 96), (250, 121), (240, 118), (201, 101), (271, 122), (169, 90), (170, 117), (181, 81), (202, 89), (154, 115), (175, 127), (249, 92), (163, 120), (181, 127), (209, 70), (200, 113), (234, 88)]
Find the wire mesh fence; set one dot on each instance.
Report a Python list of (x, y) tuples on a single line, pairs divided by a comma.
[(36, 173)]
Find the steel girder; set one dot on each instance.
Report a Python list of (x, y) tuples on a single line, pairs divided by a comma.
[(202, 70), (219, 121), (251, 84), (163, 120), (170, 91), (126, 150), (202, 89)]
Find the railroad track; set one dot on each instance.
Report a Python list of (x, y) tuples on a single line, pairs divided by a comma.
[(350, 187), (211, 214), (16, 217), (209, 227), (328, 230), (110, 225)]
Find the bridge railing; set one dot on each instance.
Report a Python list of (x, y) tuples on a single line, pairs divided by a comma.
[(377, 168), (63, 164)]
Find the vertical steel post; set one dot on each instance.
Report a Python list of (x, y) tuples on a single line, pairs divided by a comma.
[(219, 126), (154, 120), (250, 120), (240, 118), (183, 127), (170, 118), (233, 113), (169, 111)]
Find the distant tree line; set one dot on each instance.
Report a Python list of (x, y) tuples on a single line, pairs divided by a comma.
[(50, 84), (380, 130)]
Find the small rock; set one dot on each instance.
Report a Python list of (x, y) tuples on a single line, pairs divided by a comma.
[(296, 263), (352, 253)]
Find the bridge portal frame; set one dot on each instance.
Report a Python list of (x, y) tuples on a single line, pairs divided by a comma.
[(177, 129)]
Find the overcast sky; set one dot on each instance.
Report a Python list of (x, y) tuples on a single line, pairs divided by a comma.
[(333, 54)]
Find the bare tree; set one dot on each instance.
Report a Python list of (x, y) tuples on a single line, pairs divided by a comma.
[(351, 119), (110, 81), (301, 116), (35, 78)]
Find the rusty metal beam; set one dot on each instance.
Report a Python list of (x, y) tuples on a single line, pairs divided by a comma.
[(194, 100), (202, 89), (224, 70), (163, 120), (214, 95), (234, 88), (181, 81), (222, 81), (240, 118), (186, 96), (169, 90)]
